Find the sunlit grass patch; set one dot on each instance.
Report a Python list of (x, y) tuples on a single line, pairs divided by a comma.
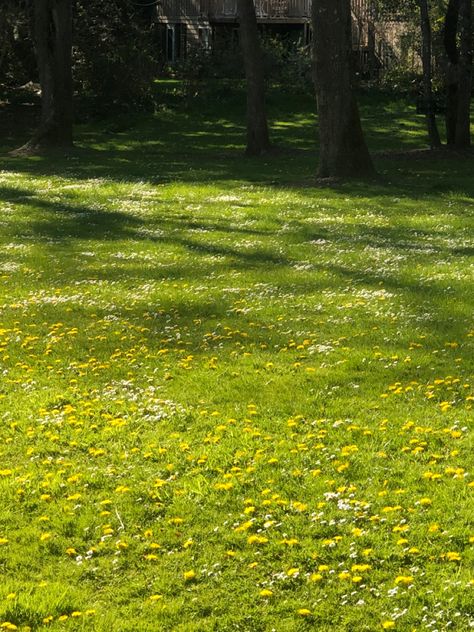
[(231, 400)]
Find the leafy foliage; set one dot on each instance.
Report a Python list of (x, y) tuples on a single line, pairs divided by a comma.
[(17, 62), (114, 55)]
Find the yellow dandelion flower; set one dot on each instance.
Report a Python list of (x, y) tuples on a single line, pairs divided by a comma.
[(120, 544), (266, 593), (360, 568), (304, 612), (189, 575), (315, 577)]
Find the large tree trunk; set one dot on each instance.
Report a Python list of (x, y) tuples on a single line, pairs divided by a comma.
[(425, 24), (258, 141), (343, 150), (458, 27), (53, 35)]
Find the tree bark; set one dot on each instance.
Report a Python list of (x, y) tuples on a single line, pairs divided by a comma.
[(258, 140), (343, 150), (53, 37), (463, 127), (458, 48), (451, 49), (425, 23)]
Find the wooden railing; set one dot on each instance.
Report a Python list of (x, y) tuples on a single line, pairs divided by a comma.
[(216, 9), (369, 42)]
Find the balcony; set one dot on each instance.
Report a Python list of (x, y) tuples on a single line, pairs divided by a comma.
[(226, 10)]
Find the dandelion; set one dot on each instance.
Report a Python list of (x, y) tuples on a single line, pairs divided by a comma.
[(155, 597), (189, 575), (315, 577)]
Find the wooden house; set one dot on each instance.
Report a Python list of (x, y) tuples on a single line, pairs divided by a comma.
[(188, 23)]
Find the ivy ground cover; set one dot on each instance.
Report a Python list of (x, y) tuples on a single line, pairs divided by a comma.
[(231, 400)]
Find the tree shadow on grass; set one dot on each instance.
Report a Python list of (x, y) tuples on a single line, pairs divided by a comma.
[(65, 222)]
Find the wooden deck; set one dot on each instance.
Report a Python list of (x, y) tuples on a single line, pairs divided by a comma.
[(226, 10)]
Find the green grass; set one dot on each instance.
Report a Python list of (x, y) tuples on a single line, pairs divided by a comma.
[(210, 365)]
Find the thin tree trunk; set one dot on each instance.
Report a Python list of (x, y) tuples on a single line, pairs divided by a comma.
[(343, 150), (463, 127), (53, 35), (258, 141), (433, 133), (452, 78)]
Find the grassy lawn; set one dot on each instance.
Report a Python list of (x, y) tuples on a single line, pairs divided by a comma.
[(230, 400)]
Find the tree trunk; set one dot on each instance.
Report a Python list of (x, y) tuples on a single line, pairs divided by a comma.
[(343, 150), (258, 141), (425, 23), (458, 47), (53, 36), (463, 127), (451, 49)]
